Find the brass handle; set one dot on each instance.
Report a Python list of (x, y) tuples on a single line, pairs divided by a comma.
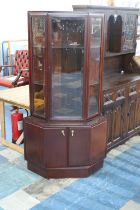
[(63, 132), (72, 132)]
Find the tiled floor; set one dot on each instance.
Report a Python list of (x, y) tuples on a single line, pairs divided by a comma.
[(116, 186)]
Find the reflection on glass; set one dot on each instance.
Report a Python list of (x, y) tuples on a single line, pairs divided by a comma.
[(95, 35), (39, 100), (94, 68), (67, 68), (38, 56), (93, 99), (38, 30)]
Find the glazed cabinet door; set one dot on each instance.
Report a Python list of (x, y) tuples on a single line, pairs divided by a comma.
[(96, 50), (79, 146), (37, 47), (55, 147), (66, 57)]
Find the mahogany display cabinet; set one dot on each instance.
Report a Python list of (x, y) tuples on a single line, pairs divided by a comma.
[(121, 77), (65, 136)]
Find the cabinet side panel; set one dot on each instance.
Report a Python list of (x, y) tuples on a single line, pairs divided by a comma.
[(98, 141), (34, 143)]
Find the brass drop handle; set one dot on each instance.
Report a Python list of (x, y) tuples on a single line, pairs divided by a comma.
[(63, 132), (72, 132)]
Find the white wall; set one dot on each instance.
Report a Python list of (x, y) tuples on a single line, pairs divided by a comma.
[(13, 13), (13, 16)]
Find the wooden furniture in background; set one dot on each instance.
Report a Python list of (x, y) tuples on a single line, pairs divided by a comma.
[(19, 97), (66, 134), (121, 77)]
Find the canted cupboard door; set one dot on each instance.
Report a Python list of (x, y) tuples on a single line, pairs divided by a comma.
[(98, 142), (34, 143)]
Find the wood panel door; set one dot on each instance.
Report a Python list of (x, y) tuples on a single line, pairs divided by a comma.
[(131, 114), (79, 146), (55, 147), (34, 143), (137, 116), (115, 113), (98, 143), (118, 123), (109, 116)]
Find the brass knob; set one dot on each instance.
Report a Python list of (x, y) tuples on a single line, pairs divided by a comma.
[(72, 132), (63, 132)]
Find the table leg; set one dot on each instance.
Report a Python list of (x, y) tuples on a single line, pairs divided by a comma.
[(2, 120), (3, 131)]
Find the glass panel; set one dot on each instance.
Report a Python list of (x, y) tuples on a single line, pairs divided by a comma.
[(94, 65), (38, 32), (67, 50)]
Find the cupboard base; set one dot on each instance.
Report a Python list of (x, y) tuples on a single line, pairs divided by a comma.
[(60, 151), (69, 172)]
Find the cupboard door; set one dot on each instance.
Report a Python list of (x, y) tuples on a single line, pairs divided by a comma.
[(115, 113), (108, 113), (132, 102), (129, 32), (34, 143), (118, 122), (131, 115), (55, 147), (37, 64), (98, 142), (78, 146), (137, 117), (109, 116)]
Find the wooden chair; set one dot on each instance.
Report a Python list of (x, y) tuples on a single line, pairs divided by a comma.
[(21, 71)]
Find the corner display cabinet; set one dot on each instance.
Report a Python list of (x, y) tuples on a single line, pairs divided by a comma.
[(65, 136)]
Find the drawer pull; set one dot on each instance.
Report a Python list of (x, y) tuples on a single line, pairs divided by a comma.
[(72, 132)]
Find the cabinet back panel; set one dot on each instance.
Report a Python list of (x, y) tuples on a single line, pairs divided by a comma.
[(112, 64)]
